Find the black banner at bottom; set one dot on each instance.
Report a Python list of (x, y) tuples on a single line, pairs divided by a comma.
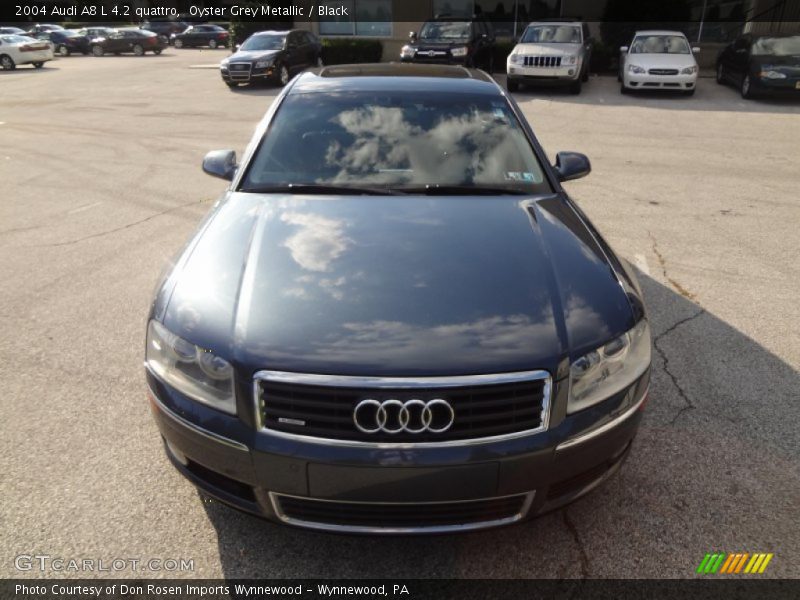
[(412, 589)]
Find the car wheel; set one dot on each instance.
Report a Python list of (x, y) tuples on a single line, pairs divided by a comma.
[(747, 87), (179, 43), (98, 50), (232, 84), (585, 75), (283, 75), (38, 65), (575, 88), (138, 50), (157, 52), (7, 63), (212, 44), (63, 50), (689, 92), (320, 64), (720, 74), (622, 89)]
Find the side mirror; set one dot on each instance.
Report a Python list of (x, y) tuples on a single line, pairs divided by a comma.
[(572, 165), (220, 163), (623, 48), (695, 50), (412, 35)]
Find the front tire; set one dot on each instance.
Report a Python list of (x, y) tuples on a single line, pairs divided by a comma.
[(232, 84), (575, 88), (63, 50), (623, 90), (585, 75), (747, 87), (179, 43), (283, 75), (689, 92), (38, 65), (720, 74), (97, 51), (157, 52), (7, 63), (512, 85), (212, 44), (138, 50)]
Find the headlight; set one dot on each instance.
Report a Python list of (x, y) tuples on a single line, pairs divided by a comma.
[(689, 70), (569, 60), (263, 64), (190, 369), (516, 59), (609, 369), (223, 63), (459, 52), (407, 52), (635, 69), (772, 75)]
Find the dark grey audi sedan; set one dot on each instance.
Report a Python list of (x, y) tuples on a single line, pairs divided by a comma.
[(396, 320)]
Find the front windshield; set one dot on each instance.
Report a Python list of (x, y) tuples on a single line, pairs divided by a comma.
[(445, 31), (660, 44), (395, 140), (263, 42), (552, 34), (69, 33), (777, 46)]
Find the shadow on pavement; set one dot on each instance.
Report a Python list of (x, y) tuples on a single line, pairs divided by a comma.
[(714, 467)]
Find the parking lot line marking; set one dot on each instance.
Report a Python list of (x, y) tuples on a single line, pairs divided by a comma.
[(82, 208), (641, 263)]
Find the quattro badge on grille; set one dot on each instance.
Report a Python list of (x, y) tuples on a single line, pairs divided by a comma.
[(411, 416)]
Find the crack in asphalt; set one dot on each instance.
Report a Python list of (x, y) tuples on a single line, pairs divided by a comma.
[(687, 402), (120, 228), (584, 557)]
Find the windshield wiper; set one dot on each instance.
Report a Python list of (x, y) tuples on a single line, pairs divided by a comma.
[(309, 188), (463, 190)]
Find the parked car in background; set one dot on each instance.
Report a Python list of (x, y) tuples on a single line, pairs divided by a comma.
[(761, 65), (165, 28), (96, 32), (552, 52), (452, 41), (137, 41), (272, 56), (66, 41), (18, 50), (658, 60), (41, 27), (12, 31), (212, 36)]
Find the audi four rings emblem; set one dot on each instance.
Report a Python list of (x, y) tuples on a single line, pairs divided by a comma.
[(411, 416)]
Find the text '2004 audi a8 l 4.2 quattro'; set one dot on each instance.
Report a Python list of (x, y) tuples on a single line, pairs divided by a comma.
[(396, 320)]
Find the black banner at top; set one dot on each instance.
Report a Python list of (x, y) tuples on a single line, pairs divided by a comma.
[(498, 11)]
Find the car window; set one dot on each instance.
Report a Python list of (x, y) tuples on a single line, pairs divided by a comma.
[(263, 42), (15, 39), (552, 34), (291, 41), (446, 30), (660, 44), (312, 39), (396, 139), (777, 46)]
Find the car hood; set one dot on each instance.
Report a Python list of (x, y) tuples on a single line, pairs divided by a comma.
[(665, 61), (548, 49), (439, 44), (394, 286), (781, 63), (245, 55)]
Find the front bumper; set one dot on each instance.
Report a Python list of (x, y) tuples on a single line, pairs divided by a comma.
[(247, 75), (645, 81), (386, 490), (566, 73), (447, 59), (34, 56), (788, 86)]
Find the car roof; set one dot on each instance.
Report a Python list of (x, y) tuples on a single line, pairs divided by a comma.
[(658, 32), (555, 22), (395, 77), (275, 32)]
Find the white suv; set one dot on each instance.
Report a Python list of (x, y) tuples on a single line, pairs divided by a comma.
[(551, 51), (658, 60)]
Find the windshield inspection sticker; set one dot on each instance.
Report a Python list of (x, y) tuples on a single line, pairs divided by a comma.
[(522, 176)]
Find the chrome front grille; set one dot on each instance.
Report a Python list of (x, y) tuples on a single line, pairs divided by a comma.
[(239, 71), (663, 71), (542, 61), (400, 517), (321, 407)]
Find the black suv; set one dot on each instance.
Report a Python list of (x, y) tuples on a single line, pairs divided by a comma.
[(165, 28), (452, 41)]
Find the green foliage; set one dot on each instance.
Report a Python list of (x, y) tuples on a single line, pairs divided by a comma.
[(343, 51), (604, 57)]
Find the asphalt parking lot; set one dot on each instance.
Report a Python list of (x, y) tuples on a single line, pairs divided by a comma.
[(101, 184)]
